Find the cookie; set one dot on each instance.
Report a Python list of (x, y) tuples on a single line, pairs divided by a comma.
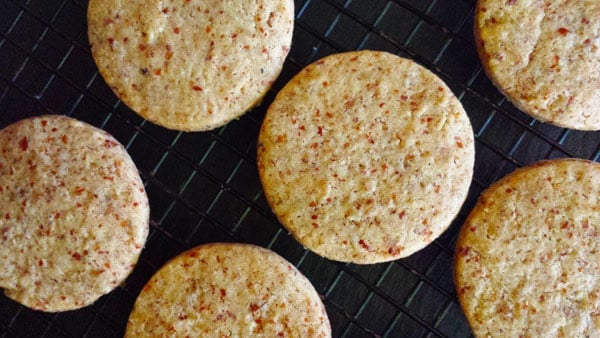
[(73, 213), (365, 157), (190, 65), (527, 262), (228, 290), (544, 56)]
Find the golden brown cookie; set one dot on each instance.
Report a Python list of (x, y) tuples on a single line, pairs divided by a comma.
[(74, 213), (527, 262), (365, 157), (190, 65), (228, 290), (544, 56)]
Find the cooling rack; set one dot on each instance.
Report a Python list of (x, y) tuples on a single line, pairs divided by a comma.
[(204, 187)]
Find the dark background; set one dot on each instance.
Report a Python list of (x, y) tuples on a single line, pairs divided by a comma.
[(204, 187)]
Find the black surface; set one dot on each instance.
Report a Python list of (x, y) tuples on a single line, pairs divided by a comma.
[(204, 187)]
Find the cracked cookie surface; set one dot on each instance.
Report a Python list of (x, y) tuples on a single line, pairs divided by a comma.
[(544, 55)]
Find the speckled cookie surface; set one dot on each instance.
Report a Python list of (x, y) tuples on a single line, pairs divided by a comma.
[(190, 65), (545, 56), (74, 213), (365, 157), (228, 290), (528, 257)]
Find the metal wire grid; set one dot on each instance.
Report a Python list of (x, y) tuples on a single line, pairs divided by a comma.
[(204, 187)]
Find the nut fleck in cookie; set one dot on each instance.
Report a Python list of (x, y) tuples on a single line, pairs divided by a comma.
[(73, 213), (544, 56), (228, 290), (527, 262), (365, 157), (190, 65)]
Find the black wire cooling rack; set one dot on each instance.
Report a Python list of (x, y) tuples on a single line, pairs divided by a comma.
[(204, 187)]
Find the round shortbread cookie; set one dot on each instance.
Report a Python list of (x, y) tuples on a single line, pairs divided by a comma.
[(190, 65), (228, 290), (527, 262), (365, 157), (544, 56), (73, 213)]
